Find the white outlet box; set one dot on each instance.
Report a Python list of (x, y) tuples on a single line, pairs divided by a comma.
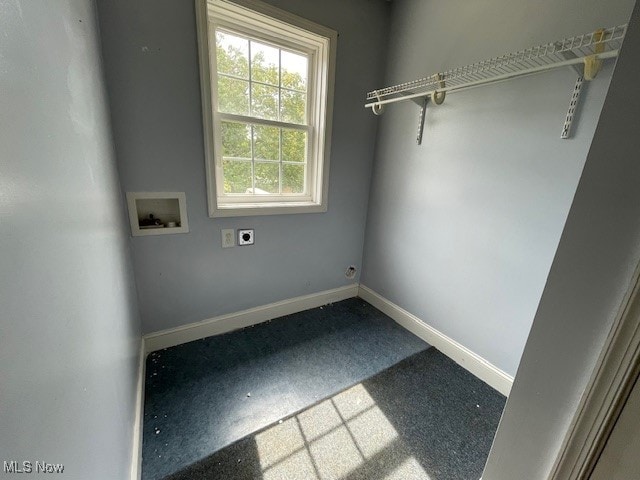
[(246, 237), (228, 238)]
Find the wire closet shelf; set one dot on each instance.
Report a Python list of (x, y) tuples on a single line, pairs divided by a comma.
[(589, 49), (569, 51)]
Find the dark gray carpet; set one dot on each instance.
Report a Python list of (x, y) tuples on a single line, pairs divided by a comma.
[(423, 419), (197, 394)]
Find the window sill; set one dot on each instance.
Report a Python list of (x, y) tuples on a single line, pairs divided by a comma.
[(273, 208)]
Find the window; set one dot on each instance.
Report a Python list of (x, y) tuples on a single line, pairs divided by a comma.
[(267, 85)]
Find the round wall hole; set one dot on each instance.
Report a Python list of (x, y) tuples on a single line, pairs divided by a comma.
[(350, 272)]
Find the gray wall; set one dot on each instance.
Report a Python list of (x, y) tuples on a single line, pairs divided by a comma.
[(592, 271), (69, 327), (463, 229), (151, 65)]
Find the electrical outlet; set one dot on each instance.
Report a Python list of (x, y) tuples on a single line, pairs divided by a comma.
[(228, 239), (246, 237)]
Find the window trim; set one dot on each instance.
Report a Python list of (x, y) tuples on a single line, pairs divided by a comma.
[(260, 13)]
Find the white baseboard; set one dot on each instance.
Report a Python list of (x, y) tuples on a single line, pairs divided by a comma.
[(136, 459), (246, 318), (472, 362)]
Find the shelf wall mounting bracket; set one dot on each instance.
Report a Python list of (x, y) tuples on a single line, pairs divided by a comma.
[(593, 63), (573, 105), (439, 96), (377, 109), (423, 112)]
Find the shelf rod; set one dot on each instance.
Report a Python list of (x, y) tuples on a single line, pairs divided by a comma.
[(497, 78)]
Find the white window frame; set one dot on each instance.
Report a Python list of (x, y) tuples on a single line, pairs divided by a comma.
[(263, 22)]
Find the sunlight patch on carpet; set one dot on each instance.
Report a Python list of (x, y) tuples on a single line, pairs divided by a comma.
[(334, 440)]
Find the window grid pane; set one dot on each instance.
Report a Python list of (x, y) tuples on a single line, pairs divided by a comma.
[(242, 59), (266, 142), (265, 61), (267, 177), (234, 99), (295, 67), (254, 157), (237, 176), (232, 55), (265, 101), (284, 102), (293, 178)]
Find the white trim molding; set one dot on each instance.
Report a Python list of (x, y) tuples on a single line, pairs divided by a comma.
[(136, 457), (245, 318), (256, 21), (467, 359), (604, 398)]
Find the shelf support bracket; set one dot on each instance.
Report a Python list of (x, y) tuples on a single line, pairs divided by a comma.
[(438, 97), (573, 105), (423, 111), (377, 109), (593, 64)]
